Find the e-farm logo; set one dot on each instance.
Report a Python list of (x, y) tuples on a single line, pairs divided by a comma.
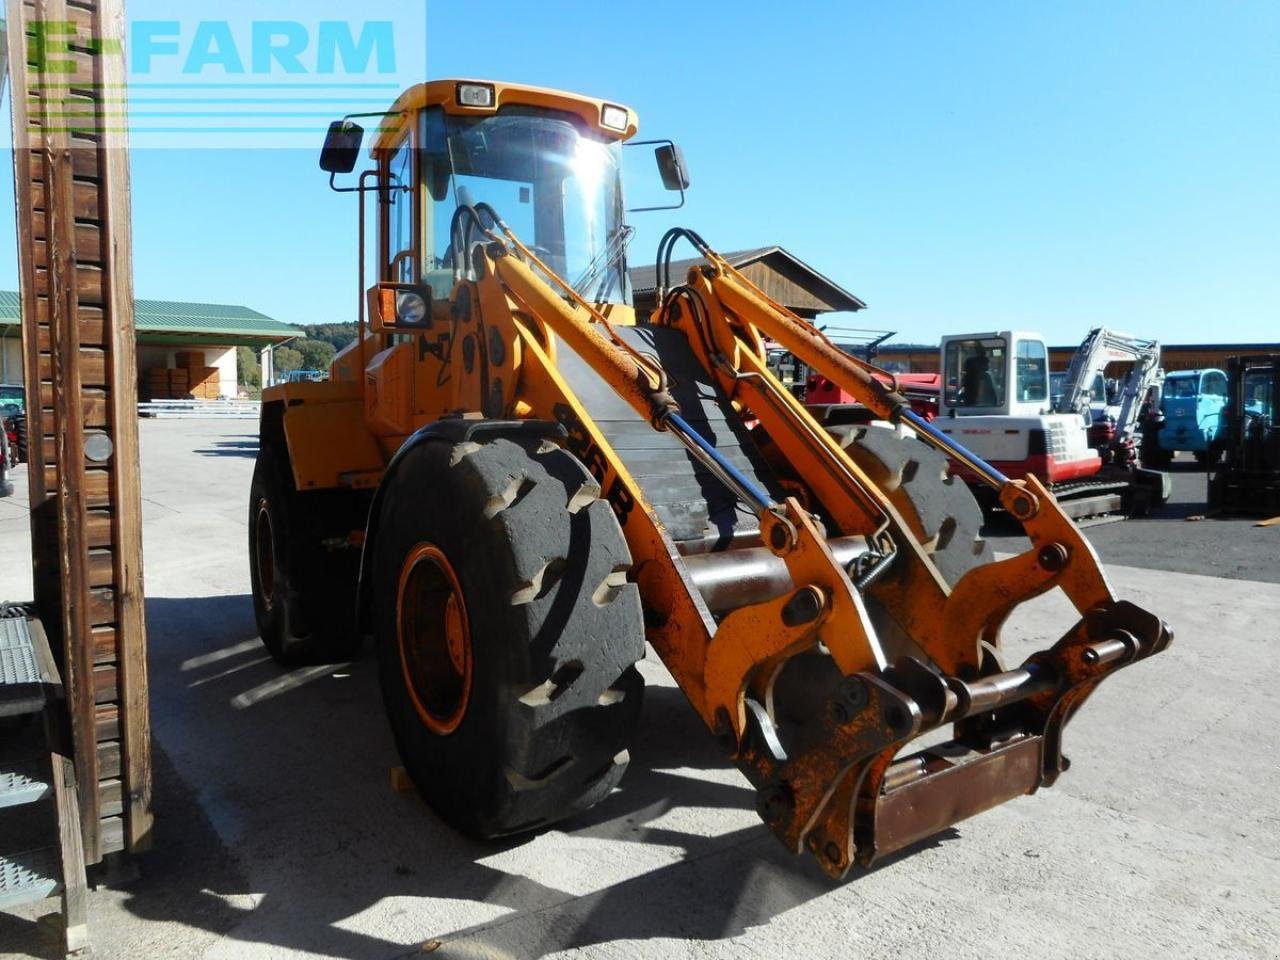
[(274, 46), (254, 78)]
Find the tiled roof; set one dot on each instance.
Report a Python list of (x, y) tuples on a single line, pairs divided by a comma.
[(176, 317)]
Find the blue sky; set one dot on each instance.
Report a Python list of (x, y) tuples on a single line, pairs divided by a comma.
[(959, 166)]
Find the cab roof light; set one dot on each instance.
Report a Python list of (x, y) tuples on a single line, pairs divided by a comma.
[(476, 95), (615, 118)]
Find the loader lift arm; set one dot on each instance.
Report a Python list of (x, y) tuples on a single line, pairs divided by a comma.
[(835, 788)]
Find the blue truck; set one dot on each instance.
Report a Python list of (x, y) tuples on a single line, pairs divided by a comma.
[(1191, 417)]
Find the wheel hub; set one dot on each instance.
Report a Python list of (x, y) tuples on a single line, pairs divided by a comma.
[(265, 554), (434, 637)]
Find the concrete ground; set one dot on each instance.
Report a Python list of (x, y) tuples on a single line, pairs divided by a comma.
[(278, 834)]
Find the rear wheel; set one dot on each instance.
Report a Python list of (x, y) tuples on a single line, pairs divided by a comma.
[(303, 573), (507, 633)]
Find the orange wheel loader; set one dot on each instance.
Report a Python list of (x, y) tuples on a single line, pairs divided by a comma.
[(511, 485)]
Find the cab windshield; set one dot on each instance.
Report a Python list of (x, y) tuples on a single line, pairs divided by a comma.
[(555, 182)]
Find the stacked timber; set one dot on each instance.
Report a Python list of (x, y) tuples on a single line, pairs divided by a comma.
[(72, 187)]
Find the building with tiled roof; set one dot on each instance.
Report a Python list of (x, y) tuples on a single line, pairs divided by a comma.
[(170, 334)]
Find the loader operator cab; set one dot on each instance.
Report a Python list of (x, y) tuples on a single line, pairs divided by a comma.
[(549, 165)]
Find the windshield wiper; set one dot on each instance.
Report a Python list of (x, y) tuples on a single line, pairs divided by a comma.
[(603, 263)]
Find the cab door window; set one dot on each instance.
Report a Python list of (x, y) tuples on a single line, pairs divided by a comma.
[(402, 264), (1033, 372)]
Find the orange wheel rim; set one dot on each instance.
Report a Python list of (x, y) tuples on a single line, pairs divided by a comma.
[(265, 549), (434, 638)]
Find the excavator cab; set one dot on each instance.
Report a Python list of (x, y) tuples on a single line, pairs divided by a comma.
[(511, 486)]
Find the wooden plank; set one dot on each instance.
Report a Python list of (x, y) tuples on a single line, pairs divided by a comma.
[(88, 317), (112, 798), (102, 606), (88, 283), (88, 236), (105, 691), (92, 363), (86, 252), (111, 830), (98, 529), (109, 759), (75, 888), (102, 570), (119, 299), (104, 645), (107, 723), (85, 200)]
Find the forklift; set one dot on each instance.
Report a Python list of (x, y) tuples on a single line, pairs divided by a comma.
[(1248, 479)]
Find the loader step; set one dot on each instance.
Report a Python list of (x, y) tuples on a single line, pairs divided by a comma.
[(692, 504), (22, 689), (28, 877)]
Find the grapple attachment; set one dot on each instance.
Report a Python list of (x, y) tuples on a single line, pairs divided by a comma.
[(845, 797)]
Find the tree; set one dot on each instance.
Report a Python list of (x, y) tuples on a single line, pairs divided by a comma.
[(287, 360), (248, 371), (316, 354), (338, 334)]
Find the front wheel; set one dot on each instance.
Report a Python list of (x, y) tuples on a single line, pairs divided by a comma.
[(507, 633)]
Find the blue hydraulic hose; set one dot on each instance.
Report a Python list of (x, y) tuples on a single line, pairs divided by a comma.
[(957, 451), (744, 486)]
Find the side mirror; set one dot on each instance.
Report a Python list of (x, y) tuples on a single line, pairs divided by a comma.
[(342, 147), (400, 308), (675, 175)]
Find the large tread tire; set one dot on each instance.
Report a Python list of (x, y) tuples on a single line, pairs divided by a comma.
[(555, 632), (304, 590), (940, 509)]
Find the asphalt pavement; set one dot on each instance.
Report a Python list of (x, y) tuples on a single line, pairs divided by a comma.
[(1180, 537), (279, 835)]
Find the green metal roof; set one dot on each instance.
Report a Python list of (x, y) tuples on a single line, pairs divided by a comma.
[(170, 318)]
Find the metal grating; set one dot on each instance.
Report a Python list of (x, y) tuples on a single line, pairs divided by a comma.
[(22, 783), (28, 877), (17, 653)]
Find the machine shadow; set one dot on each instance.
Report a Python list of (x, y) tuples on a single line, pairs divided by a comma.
[(246, 446), (276, 824)]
